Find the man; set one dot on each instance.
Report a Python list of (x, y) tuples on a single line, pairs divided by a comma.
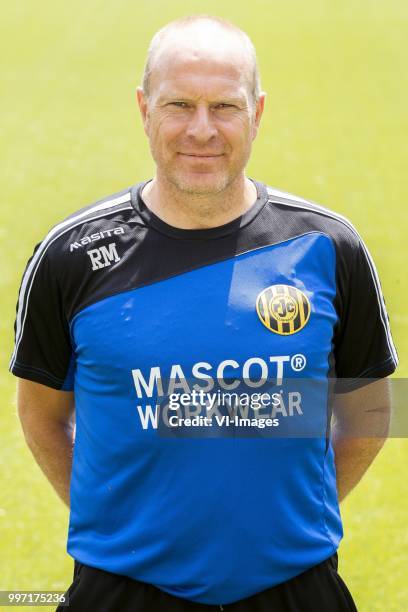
[(202, 280)]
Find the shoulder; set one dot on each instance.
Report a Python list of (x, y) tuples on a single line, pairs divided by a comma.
[(60, 254), (305, 216), (91, 217), (85, 226), (102, 206)]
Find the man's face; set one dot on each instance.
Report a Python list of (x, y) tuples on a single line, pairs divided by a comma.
[(200, 118)]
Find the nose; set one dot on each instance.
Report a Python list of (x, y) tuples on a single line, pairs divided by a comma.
[(201, 125)]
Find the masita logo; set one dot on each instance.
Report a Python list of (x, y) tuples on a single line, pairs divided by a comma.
[(97, 236), (283, 309)]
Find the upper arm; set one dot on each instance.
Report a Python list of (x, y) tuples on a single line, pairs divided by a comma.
[(37, 403), (364, 411), (43, 351), (363, 345), (43, 354)]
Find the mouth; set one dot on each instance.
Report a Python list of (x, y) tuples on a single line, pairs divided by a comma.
[(202, 156)]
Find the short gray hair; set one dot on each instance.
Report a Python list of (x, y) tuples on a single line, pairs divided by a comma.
[(184, 22)]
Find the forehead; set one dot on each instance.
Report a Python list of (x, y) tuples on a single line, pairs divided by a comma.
[(198, 80), (200, 67)]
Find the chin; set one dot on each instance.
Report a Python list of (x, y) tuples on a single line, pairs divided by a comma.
[(201, 185)]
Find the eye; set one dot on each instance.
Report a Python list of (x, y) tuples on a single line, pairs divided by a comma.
[(179, 104), (223, 105)]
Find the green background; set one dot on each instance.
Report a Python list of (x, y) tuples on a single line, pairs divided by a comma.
[(334, 130)]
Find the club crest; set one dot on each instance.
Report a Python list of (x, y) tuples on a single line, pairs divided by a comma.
[(283, 309)]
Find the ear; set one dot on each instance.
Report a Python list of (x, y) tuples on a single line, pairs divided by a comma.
[(258, 113), (143, 107)]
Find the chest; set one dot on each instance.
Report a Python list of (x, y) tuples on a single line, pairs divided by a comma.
[(268, 310)]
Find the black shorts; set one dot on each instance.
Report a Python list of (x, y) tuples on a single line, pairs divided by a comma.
[(319, 589)]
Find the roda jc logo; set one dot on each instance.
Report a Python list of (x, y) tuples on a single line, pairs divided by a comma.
[(283, 309)]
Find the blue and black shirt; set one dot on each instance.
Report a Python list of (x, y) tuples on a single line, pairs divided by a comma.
[(125, 310)]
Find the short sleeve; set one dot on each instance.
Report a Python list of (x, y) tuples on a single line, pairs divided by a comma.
[(42, 351), (363, 345)]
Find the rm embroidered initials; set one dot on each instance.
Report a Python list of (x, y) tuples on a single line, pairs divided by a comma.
[(104, 256)]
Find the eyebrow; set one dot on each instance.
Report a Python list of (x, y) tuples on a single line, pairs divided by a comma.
[(221, 99)]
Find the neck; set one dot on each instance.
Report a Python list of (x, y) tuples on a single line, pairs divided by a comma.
[(196, 211)]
